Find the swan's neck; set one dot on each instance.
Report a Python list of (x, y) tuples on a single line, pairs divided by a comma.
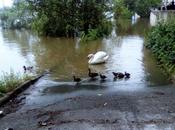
[(91, 58)]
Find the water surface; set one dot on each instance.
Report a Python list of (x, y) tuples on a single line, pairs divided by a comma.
[(65, 57)]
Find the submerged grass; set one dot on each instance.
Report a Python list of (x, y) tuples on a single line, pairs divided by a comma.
[(9, 81)]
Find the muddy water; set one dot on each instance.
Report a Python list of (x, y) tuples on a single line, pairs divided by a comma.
[(66, 57)]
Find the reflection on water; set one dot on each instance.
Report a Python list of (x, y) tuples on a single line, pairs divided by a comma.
[(65, 57), (66, 88), (139, 28)]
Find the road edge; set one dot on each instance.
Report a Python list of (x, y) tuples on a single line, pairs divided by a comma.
[(18, 90)]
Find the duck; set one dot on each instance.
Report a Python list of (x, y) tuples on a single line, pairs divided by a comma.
[(115, 74), (118, 75), (127, 75), (103, 77), (29, 68), (92, 75), (76, 79), (97, 58)]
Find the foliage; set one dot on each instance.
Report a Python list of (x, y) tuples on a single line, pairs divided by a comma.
[(67, 18), (130, 4), (102, 30), (143, 7), (161, 40), (91, 35), (125, 8), (9, 81), (121, 10), (17, 16)]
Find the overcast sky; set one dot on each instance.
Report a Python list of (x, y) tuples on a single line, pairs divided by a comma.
[(5, 3)]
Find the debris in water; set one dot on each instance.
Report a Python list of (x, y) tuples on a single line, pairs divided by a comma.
[(105, 103), (9, 129), (42, 123), (1, 112), (99, 94)]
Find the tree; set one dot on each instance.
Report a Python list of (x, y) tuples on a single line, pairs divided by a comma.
[(143, 7), (121, 9), (67, 17), (17, 16)]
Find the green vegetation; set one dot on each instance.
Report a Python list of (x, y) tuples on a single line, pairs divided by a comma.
[(9, 81), (161, 40), (126, 8), (93, 34), (16, 17), (143, 7), (121, 10), (69, 18)]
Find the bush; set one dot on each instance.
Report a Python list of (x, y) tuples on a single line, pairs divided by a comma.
[(161, 40), (93, 34), (121, 11)]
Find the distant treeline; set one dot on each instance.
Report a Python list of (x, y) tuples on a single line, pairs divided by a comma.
[(69, 18)]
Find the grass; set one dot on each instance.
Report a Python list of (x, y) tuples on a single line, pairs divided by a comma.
[(9, 81)]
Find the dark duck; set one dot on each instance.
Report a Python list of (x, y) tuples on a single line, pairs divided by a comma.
[(127, 75), (118, 75), (121, 75), (76, 79), (92, 75), (115, 74), (103, 77)]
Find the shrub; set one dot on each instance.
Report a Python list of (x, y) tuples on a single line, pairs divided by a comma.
[(161, 40)]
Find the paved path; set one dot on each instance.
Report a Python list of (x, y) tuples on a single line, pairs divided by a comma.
[(47, 108)]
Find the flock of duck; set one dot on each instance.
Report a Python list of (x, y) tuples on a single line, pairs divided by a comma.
[(98, 58), (92, 75)]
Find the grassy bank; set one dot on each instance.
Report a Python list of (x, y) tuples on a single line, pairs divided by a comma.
[(161, 41), (9, 81)]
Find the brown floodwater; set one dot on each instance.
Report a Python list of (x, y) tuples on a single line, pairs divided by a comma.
[(65, 57)]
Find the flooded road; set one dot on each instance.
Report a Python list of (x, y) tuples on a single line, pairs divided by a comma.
[(64, 58), (67, 57)]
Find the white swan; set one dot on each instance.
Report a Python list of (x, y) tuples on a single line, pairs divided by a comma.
[(97, 58)]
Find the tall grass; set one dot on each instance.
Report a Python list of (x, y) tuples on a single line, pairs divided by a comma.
[(9, 81)]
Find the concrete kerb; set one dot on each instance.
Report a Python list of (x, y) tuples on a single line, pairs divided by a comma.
[(173, 78), (18, 90)]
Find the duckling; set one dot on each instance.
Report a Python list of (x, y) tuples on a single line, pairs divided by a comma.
[(115, 74), (120, 75), (127, 75), (92, 75), (76, 79), (103, 77)]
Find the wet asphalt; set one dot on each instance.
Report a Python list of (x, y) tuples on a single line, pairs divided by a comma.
[(89, 106)]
